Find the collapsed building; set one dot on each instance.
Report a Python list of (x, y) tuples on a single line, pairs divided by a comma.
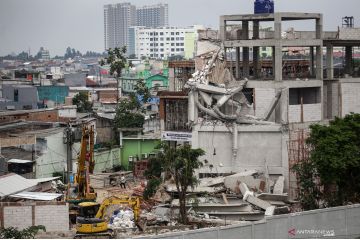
[(242, 115)]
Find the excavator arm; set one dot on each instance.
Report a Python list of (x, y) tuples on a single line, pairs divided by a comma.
[(133, 202)]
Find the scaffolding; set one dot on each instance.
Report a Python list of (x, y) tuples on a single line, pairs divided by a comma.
[(298, 151)]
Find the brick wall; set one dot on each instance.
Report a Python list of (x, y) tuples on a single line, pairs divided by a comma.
[(53, 215), (312, 112), (350, 101)]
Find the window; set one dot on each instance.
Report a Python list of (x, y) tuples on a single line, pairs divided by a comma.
[(16, 95), (177, 39), (151, 34), (161, 44), (151, 39), (178, 49), (305, 95), (172, 33), (263, 48), (161, 49), (172, 39), (173, 49), (181, 38), (181, 49), (161, 39), (151, 44), (161, 33), (177, 44), (177, 33), (167, 39), (172, 44)]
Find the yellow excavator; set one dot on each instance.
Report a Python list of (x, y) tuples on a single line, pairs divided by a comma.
[(81, 190), (92, 221)]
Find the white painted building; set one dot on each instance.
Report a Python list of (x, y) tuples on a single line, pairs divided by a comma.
[(164, 42)]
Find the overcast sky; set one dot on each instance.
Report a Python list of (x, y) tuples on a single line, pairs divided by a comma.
[(57, 24)]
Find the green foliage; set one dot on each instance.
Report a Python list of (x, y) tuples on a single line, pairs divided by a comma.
[(181, 164), (82, 103), (335, 158), (151, 187), (128, 115), (142, 90), (116, 59), (14, 233), (309, 193)]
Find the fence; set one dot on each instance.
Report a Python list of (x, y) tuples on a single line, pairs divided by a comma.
[(338, 222)]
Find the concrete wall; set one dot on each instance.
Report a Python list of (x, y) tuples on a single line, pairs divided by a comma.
[(136, 147), (331, 99), (257, 146), (53, 215), (339, 222), (350, 97), (311, 113), (106, 159), (263, 98)]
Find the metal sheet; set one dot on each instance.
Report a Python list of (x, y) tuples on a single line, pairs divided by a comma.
[(42, 196)]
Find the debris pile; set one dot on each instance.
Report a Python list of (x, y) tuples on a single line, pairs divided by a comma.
[(122, 219)]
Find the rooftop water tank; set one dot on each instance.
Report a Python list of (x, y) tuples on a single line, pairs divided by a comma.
[(263, 6)]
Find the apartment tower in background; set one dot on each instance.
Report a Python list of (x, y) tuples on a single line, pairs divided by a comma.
[(152, 16), (119, 17)]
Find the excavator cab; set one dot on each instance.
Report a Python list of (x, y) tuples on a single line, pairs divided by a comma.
[(87, 223)]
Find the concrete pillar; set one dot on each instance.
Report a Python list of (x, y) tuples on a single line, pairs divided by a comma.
[(256, 50), (278, 63), (312, 68), (245, 35), (319, 62), (319, 27), (277, 26), (222, 26), (330, 62), (237, 62), (273, 61), (348, 60)]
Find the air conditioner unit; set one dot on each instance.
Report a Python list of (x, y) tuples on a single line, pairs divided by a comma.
[(131, 158), (144, 156)]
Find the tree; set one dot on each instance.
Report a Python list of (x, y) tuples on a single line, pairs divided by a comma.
[(181, 164), (82, 103), (335, 160), (142, 90), (128, 114), (14, 233), (117, 60)]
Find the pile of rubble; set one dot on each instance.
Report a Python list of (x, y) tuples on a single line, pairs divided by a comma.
[(245, 196), (122, 219)]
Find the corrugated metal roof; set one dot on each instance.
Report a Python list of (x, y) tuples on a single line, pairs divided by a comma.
[(42, 196), (41, 180), (13, 183)]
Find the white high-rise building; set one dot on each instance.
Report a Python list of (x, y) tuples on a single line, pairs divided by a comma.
[(162, 43), (117, 19)]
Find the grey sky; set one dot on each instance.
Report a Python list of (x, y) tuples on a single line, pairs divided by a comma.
[(56, 24)]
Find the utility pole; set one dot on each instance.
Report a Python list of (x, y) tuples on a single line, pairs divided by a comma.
[(68, 140)]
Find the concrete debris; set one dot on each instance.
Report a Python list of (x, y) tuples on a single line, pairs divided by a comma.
[(249, 197), (161, 195), (279, 185), (253, 179)]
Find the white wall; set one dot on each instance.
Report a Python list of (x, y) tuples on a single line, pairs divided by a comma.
[(350, 102)]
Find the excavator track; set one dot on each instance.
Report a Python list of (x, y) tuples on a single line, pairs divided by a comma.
[(108, 234)]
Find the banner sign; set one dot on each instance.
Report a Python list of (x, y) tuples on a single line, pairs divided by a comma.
[(176, 136)]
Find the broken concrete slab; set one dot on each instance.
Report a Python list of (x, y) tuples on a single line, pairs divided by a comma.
[(279, 185), (248, 177), (273, 197), (211, 182), (250, 198)]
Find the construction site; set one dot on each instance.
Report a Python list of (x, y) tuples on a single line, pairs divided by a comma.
[(251, 116)]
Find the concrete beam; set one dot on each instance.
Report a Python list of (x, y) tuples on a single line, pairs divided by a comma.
[(246, 59), (273, 43)]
